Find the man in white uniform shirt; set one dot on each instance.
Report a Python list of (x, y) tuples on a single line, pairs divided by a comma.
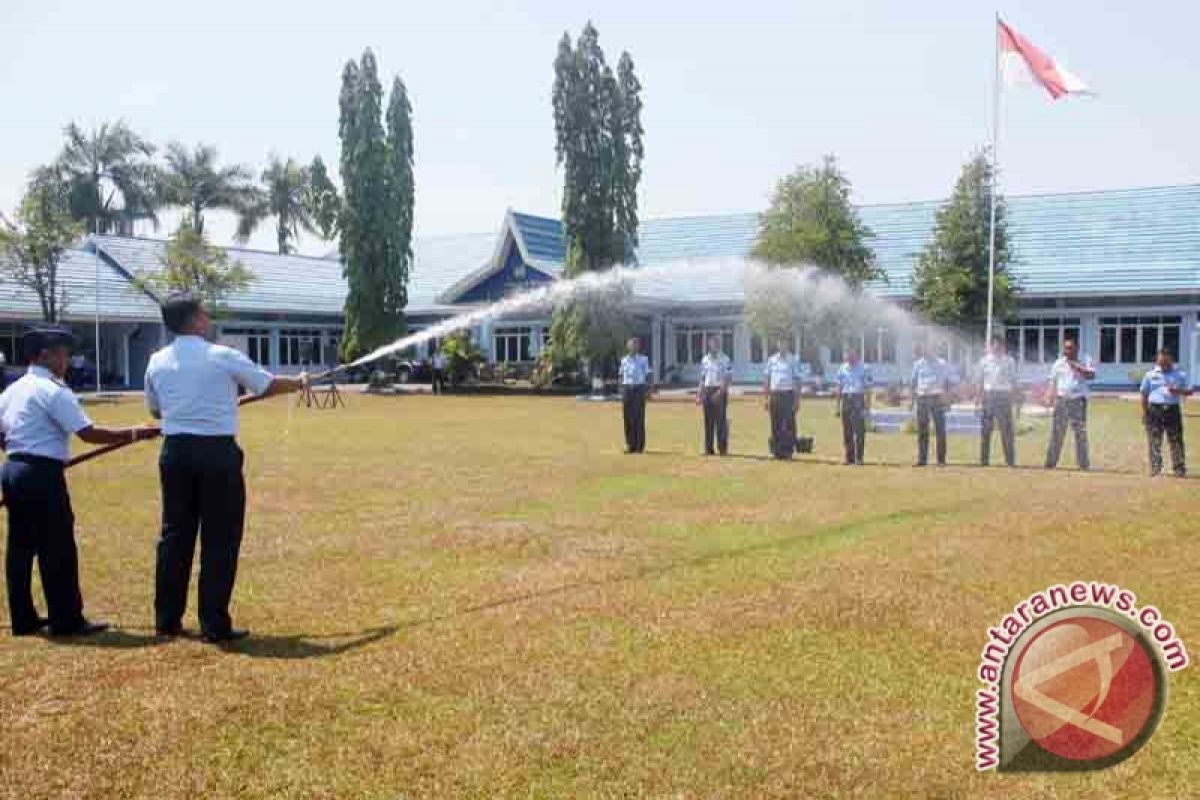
[(716, 373), (635, 387), (192, 385), (1067, 394), (780, 385), (38, 417), (930, 388), (998, 379)]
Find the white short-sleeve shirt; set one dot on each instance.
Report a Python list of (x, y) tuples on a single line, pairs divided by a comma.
[(192, 385), (1067, 382), (38, 415)]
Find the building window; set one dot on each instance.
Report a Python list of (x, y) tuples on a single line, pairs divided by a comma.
[(1039, 340), (758, 349), (1137, 340), (512, 344), (298, 347), (692, 343), (876, 346), (258, 343)]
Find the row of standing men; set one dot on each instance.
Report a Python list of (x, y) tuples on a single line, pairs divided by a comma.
[(192, 387), (932, 384)]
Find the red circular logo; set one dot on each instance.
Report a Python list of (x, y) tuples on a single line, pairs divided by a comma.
[(1084, 688)]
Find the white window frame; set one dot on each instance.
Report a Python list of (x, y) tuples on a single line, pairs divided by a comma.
[(1120, 323)]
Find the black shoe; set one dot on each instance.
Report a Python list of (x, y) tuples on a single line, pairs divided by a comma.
[(82, 628), (29, 630), (169, 631), (920, 464), (709, 453), (231, 635)]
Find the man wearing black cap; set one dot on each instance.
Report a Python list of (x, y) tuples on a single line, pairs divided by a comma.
[(38, 414), (192, 386)]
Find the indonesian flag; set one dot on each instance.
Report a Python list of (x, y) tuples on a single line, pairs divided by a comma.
[(1022, 62)]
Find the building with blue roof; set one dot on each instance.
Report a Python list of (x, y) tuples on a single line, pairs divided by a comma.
[(1119, 270)]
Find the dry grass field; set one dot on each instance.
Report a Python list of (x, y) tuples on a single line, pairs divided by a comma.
[(483, 597)]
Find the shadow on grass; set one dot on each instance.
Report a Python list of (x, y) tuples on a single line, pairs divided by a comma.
[(302, 646)]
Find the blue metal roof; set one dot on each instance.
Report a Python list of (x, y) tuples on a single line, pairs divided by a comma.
[(1104, 243), (306, 285), (77, 269), (1108, 243)]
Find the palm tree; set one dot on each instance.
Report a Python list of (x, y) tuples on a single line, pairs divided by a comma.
[(287, 185), (193, 181), (108, 176)]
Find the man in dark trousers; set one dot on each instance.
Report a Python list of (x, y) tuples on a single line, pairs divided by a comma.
[(1163, 389), (1067, 394), (851, 386), (930, 387), (38, 415), (635, 387), (998, 387), (192, 385), (783, 398), (716, 373), (437, 365)]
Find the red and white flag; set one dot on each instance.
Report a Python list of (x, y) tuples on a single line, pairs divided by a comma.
[(1022, 62)]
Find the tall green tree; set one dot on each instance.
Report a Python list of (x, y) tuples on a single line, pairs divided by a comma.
[(950, 282), (598, 144), (286, 191), (377, 206), (108, 177), (324, 202), (810, 234), (401, 198), (32, 245), (812, 222), (192, 264), (193, 180)]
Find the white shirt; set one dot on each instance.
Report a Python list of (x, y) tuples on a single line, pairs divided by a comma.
[(38, 414), (439, 361), (192, 384), (1068, 383), (930, 376), (635, 370), (998, 373), (782, 372), (1157, 385), (854, 379), (715, 369)]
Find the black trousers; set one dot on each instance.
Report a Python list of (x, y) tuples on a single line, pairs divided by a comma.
[(997, 410), (854, 427), (633, 408), (782, 406), (1166, 419), (716, 419), (931, 407), (203, 493), (41, 527), (439, 381), (1071, 411)]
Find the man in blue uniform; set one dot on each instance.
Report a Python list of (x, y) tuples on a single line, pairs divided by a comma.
[(1163, 389), (851, 384), (1067, 394), (716, 373), (998, 384), (635, 387), (780, 380), (930, 388), (192, 385), (38, 415)]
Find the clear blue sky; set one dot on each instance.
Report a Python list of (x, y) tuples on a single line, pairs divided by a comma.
[(736, 94)]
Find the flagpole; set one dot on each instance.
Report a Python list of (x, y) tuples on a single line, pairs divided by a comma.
[(995, 171)]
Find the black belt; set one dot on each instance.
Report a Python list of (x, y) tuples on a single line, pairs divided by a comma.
[(197, 437), (41, 461)]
